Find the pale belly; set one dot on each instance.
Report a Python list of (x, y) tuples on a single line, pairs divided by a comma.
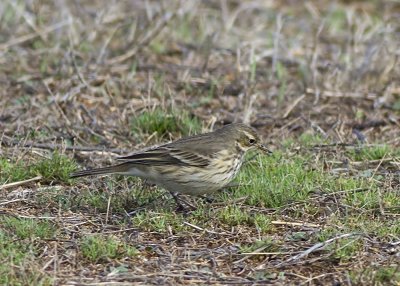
[(188, 180), (196, 182)]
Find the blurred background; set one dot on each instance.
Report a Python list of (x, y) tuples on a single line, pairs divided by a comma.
[(83, 81), (102, 72)]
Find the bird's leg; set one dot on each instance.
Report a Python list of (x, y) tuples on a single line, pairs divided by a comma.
[(179, 201), (207, 199), (180, 206)]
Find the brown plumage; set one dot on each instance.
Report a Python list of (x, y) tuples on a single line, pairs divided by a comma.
[(193, 165)]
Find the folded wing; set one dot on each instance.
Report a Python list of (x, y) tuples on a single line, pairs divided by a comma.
[(167, 156)]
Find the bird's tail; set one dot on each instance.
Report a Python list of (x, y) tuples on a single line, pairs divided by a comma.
[(121, 168)]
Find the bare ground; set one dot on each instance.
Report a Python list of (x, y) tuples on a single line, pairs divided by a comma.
[(76, 73)]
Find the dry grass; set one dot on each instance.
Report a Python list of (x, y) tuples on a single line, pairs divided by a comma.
[(85, 80)]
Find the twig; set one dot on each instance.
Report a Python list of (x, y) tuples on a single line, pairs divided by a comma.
[(202, 229), (337, 144), (395, 243), (108, 208), (106, 43), (27, 18), (345, 145), (293, 105), (265, 253), (12, 201), (357, 190), (277, 37), (379, 161), (324, 195), (20, 183), (317, 246), (251, 254), (381, 208), (316, 277), (63, 147), (145, 41), (327, 93), (278, 222), (120, 230), (25, 38)]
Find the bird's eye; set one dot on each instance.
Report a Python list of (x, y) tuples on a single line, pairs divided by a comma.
[(252, 141)]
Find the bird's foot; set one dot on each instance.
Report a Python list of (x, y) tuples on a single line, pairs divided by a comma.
[(207, 199), (182, 205)]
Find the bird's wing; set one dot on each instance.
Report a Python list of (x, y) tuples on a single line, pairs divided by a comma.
[(167, 155)]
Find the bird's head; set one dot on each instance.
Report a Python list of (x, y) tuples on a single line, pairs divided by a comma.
[(246, 137)]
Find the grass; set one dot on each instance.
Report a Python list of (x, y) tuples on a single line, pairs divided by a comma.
[(119, 73), (97, 248), (376, 152), (266, 245), (288, 183), (159, 222), (19, 264), (281, 180), (164, 123), (20, 245), (123, 194), (56, 168), (389, 275), (277, 182), (234, 216), (28, 228)]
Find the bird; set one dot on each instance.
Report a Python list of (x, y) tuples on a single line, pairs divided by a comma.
[(196, 165)]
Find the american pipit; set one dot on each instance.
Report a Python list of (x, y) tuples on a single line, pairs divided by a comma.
[(195, 165)]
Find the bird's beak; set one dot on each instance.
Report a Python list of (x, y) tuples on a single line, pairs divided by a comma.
[(264, 149)]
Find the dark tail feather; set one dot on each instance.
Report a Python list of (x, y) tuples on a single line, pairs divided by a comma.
[(100, 171)]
